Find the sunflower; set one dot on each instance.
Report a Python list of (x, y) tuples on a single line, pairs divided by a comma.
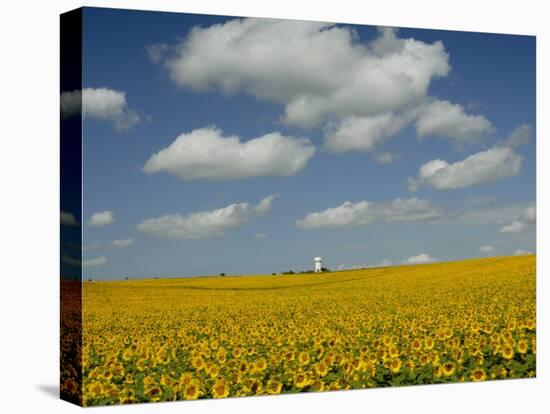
[(212, 370), (303, 358), (317, 385), (166, 380), (153, 393), (478, 374), (222, 357), (429, 343), (191, 391), (501, 372), (95, 388), (260, 365), (395, 365), (522, 346), (274, 386), (243, 367), (254, 385), (448, 369), (507, 352), (198, 363), (301, 380), (321, 368), (393, 352), (127, 355), (220, 389), (186, 378)]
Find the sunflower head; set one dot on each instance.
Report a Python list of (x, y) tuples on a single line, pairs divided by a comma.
[(220, 389), (478, 374)]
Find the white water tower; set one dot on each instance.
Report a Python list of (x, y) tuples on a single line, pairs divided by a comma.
[(318, 266)]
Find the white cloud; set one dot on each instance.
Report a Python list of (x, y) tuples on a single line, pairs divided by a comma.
[(99, 103), (450, 121), (487, 214), (487, 249), (384, 157), (362, 213), (98, 261), (365, 134), (206, 154), (68, 219), (522, 252), (261, 235), (350, 267), (157, 52), (530, 214), (121, 244), (520, 136), (481, 168), (384, 263), (265, 204), (420, 259), (514, 227), (204, 224), (525, 221), (437, 118), (102, 218), (287, 62)]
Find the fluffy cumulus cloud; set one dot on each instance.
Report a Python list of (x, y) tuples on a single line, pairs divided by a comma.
[(450, 121), (122, 244), (206, 154), (487, 249), (520, 136), (99, 103), (287, 62), (530, 215), (513, 227), (525, 221), (363, 212), (521, 252), (100, 219), (68, 219), (364, 134), (422, 258), (204, 224), (483, 167)]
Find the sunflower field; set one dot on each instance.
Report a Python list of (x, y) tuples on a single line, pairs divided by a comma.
[(217, 337)]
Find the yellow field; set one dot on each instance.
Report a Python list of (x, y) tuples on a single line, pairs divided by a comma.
[(156, 340)]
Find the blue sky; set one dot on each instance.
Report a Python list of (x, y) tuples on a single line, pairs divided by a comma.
[(340, 113)]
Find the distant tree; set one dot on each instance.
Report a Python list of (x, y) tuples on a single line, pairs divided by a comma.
[(273, 273), (89, 280), (290, 272), (126, 278), (222, 274), (324, 269)]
